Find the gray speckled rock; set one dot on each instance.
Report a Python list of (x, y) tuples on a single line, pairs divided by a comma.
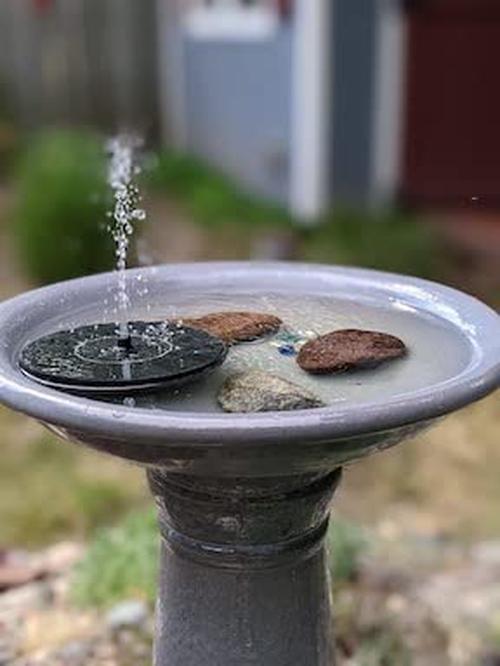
[(76, 653), (127, 614), (257, 391)]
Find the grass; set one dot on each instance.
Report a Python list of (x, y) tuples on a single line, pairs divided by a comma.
[(121, 563), (445, 481), (52, 490)]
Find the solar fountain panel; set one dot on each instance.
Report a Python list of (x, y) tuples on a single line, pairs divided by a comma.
[(93, 359)]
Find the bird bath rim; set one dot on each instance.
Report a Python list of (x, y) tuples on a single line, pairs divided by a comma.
[(478, 324)]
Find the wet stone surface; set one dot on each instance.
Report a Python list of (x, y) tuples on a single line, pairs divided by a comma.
[(234, 327), (350, 349), (257, 391)]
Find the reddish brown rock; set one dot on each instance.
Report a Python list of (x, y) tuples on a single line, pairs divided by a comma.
[(351, 349), (236, 326), (17, 571)]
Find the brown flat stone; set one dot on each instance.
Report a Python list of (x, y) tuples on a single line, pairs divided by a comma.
[(350, 349), (234, 327)]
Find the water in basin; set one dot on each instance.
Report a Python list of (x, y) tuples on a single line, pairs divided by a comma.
[(437, 351)]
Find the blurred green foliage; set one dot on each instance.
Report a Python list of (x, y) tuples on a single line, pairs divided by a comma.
[(384, 648), (121, 563), (385, 240), (381, 239), (60, 218), (346, 544), (9, 136), (211, 198), (56, 491)]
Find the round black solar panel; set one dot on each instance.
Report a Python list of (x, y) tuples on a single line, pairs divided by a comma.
[(95, 359)]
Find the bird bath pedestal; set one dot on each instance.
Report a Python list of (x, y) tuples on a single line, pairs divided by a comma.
[(244, 500)]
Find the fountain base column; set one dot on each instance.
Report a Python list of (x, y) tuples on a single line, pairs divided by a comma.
[(244, 577)]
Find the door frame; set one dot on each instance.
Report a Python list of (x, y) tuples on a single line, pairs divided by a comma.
[(311, 108), (389, 114)]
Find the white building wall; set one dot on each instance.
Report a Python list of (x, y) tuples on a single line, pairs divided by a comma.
[(389, 104), (312, 92)]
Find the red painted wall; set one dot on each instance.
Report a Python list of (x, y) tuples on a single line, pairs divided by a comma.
[(452, 147)]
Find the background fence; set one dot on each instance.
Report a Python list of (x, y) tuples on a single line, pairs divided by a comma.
[(81, 61)]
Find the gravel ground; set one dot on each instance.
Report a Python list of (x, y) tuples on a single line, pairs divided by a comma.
[(432, 600)]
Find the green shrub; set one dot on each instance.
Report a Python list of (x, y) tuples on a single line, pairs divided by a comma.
[(346, 544), (385, 240), (211, 198), (9, 135), (61, 213), (121, 563), (174, 173), (386, 648)]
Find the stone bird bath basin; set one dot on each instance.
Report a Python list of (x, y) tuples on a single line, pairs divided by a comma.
[(244, 499)]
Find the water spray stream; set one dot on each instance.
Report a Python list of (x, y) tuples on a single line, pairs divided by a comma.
[(126, 210)]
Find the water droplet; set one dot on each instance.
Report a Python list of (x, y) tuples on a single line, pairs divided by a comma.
[(129, 402)]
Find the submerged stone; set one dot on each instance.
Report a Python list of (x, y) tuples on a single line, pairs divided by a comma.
[(233, 327), (257, 391), (349, 349)]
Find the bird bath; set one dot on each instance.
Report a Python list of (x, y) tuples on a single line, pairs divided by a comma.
[(244, 499)]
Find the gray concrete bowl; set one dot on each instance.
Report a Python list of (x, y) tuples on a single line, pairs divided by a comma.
[(257, 444)]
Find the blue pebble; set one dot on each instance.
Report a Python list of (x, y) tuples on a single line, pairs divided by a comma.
[(287, 350)]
